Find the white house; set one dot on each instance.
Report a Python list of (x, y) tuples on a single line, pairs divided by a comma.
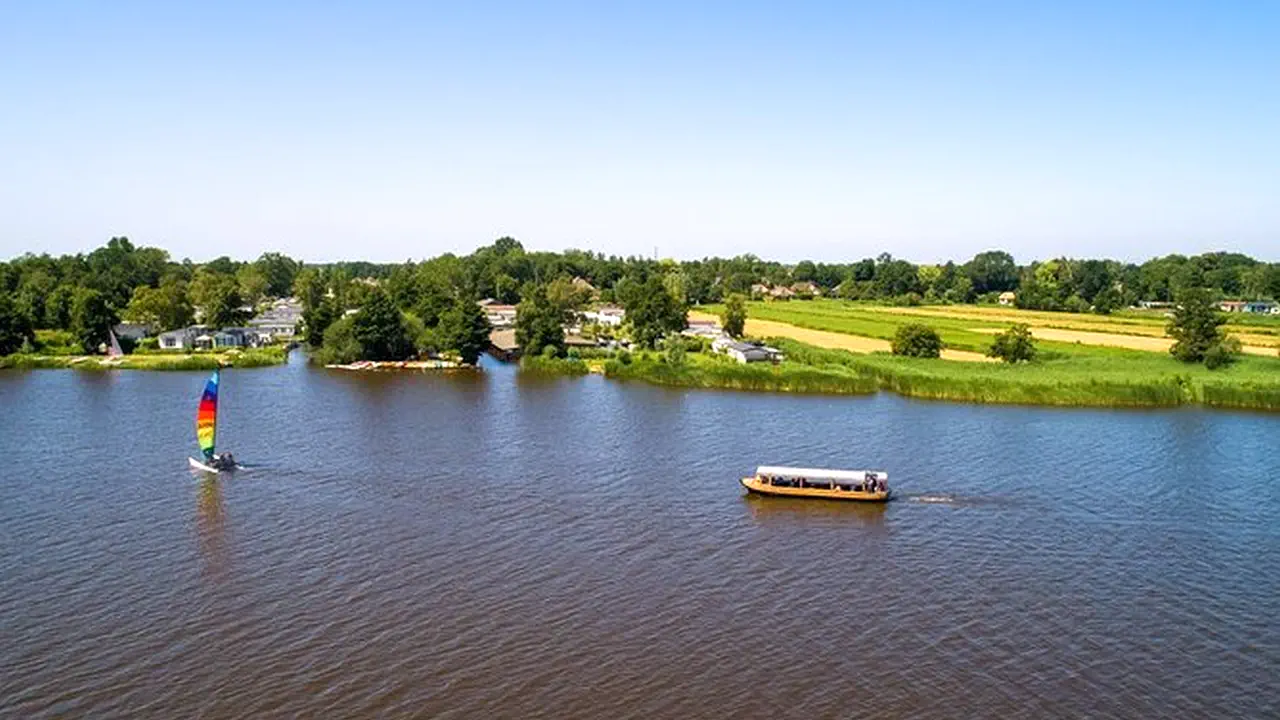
[(748, 353), (498, 315), (183, 339), (280, 320), (610, 315)]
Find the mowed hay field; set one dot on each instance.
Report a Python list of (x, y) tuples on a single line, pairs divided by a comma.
[(1128, 331), (969, 327), (829, 339)]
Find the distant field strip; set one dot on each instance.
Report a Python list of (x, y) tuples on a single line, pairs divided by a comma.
[(1034, 319), (1131, 342)]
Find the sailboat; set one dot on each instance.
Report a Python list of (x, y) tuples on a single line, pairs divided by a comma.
[(207, 431)]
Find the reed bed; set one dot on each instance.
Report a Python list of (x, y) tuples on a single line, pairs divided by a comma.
[(703, 372)]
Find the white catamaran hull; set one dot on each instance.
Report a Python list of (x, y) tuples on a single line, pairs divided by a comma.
[(206, 468)]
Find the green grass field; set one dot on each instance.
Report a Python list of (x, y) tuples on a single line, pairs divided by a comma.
[(1064, 374)]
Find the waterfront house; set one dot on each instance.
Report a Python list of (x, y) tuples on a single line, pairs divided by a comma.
[(750, 353), (184, 339), (243, 337), (610, 315), (280, 320), (499, 315), (1006, 298)]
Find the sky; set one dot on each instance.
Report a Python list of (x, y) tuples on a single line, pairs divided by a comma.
[(829, 131)]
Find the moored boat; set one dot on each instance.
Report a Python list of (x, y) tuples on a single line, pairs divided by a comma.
[(861, 485)]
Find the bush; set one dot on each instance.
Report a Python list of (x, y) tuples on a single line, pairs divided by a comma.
[(1013, 345), (916, 340), (1222, 354), (676, 353), (1216, 357), (573, 354), (1076, 304), (624, 357)]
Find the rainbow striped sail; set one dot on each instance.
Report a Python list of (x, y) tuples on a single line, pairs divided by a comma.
[(207, 417)]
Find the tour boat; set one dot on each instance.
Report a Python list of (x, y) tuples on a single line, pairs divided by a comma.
[(863, 485), (207, 431)]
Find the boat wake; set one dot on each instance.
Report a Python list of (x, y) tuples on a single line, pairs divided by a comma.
[(958, 500)]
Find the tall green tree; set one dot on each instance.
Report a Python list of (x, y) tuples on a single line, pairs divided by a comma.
[(92, 318), (218, 298), (540, 322), (734, 316), (15, 326), (309, 288), (253, 284), (652, 312), (992, 271), (464, 328), (279, 270), (380, 330), (1195, 326), (57, 307), (165, 307), (316, 321)]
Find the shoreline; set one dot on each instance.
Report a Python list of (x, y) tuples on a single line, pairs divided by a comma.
[(814, 370), (149, 361)]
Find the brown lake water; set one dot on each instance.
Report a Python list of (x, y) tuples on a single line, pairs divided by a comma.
[(500, 545)]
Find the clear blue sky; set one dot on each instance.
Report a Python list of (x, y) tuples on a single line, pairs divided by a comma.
[(832, 131)]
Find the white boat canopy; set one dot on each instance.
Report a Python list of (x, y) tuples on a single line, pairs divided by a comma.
[(819, 474)]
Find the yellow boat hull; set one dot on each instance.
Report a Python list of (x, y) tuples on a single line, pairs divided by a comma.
[(754, 485)]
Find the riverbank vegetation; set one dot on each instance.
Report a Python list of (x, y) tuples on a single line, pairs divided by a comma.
[(257, 357), (1109, 378)]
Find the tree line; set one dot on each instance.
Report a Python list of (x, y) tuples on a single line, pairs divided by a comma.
[(361, 309)]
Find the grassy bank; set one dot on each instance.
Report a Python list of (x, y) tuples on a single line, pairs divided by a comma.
[(1107, 378), (703, 371), (1101, 377), (150, 361), (554, 366)]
